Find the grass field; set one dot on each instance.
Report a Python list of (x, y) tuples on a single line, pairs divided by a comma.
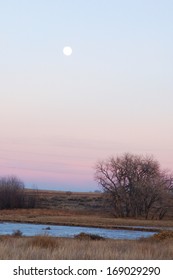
[(80, 209), (64, 217), (74, 208), (51, 248)]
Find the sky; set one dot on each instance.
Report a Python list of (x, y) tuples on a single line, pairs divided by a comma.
[(60, 114)]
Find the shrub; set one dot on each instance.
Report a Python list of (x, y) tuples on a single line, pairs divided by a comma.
[(163, 235), (88, 236)]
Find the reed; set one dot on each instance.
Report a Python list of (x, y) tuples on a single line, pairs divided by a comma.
[(53, 248)]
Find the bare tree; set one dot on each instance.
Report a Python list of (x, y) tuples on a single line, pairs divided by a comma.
[(11, 192), (14, 195), (136, 185)]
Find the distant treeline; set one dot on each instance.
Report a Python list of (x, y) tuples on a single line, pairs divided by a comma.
[(13, 194)]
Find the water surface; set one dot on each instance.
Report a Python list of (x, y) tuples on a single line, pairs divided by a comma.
[(70, 231)]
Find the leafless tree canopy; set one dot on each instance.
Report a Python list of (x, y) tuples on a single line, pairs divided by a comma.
[(136, 185), (13, 195)]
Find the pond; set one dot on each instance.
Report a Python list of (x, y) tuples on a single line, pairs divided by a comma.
[(70, 231)]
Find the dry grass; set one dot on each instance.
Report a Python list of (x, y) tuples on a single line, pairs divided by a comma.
[(165, 235), (74, 208), (87, 202), (42, 241), (51, 248), (60, 217)]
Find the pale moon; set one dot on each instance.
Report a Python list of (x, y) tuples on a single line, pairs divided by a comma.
[(67, 50)]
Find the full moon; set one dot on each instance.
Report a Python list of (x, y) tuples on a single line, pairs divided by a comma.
[(67, 50)]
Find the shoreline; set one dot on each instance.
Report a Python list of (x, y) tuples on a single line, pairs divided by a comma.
[(113, 227)]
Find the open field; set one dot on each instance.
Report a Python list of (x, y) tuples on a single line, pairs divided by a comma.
[(78, 209), (51, 248), (88, 202), (57, 217), (78, 202)]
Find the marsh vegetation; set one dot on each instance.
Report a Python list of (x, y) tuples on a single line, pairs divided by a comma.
[(52, 248)]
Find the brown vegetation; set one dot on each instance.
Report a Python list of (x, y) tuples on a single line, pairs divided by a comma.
[(13, 194), (51, 248), (85, 213), (42, 241), (164, 235), (87, 236), (83, 202), (59, 217)]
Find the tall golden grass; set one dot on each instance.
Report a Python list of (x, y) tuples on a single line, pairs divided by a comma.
[(60, 217), (52, 248)]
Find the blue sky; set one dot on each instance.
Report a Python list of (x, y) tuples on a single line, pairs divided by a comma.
[(58, 114)]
